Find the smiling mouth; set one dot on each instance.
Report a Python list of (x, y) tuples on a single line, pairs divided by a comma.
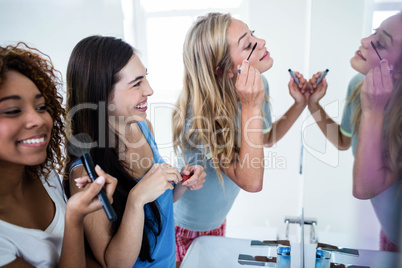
[(359, 53), (142, 105), (34, 141), (265, 55)]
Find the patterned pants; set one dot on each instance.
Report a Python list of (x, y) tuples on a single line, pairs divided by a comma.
[(386, 244), (185, 237)]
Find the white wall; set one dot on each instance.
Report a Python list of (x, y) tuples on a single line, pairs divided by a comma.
[(55, 27)]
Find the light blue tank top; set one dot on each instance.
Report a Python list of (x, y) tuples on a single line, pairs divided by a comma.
[(207, 208), (165, 251), (164, 254)]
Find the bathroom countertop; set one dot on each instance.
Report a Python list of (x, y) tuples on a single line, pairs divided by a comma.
[(221, 252)]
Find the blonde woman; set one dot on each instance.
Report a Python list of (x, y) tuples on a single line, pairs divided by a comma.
[(209, 128), (372, 124)]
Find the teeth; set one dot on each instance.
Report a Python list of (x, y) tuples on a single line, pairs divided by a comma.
[(32, 141), (142, 105), (360, 54)]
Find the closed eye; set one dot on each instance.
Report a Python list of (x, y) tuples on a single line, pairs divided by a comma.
[(42, 107), (379, 46), (12, 112), (137, 84)]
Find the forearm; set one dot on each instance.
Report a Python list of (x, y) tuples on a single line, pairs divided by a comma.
[(369, 175), (329, 127), (281, 126), (73, 249), (178, 191), (249, 169), (124, 248)]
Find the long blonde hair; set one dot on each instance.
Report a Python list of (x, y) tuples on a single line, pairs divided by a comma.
[(392, 134), (208, 94)]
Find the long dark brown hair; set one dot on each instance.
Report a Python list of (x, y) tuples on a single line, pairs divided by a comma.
[(92, 73)]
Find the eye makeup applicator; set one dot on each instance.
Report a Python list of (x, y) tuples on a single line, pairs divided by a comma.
[(252, 50), (375, 49)]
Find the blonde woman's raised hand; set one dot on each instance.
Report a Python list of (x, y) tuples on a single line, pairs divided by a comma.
[(317, 92), (297, 90), (250, 87), (157, 180), (377, 88)]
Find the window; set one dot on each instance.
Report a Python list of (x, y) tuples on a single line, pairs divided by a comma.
[(384, 9), (158, 29)]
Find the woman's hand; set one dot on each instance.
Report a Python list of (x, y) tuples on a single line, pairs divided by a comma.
[(296, 91), (196, 176), (316, 92), (86, 201), (157, 180), (250, 87), (377, 88)]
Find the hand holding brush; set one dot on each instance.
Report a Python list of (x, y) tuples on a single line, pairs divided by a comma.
[(79, 146)]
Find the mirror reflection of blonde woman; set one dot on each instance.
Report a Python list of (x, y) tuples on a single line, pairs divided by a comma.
[(371, 124)]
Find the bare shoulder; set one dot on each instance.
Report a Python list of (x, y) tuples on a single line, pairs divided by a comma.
[(77, 172)]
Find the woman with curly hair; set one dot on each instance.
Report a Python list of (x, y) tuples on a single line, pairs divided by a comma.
[(34, 216)]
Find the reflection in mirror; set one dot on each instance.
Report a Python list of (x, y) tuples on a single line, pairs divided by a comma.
[(361, 220)]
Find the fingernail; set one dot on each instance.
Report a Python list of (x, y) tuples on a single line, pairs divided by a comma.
[(100, 180), (97, 166), (77, 179)]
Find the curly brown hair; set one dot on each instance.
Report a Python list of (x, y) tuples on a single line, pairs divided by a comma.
[(38, 67)]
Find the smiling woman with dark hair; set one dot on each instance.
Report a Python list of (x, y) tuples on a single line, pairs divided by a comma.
[(108, 95)]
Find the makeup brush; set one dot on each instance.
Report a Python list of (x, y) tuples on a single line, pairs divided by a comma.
[(252, 50), (323, 74), (79, 146), (375, 49)]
